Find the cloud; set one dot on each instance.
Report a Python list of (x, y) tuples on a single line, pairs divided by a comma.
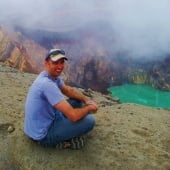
[(141, 27), (50, 14)]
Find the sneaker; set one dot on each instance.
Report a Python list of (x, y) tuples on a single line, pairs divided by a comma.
[(74, 143), (77, 143)]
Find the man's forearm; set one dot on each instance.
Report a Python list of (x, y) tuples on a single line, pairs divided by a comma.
[(73, 93)]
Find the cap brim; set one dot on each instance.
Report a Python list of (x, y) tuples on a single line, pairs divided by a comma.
[(57, 57)]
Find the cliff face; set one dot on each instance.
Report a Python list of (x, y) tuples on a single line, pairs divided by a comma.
[(98, 73), (160, 74), (19, 52), (93, 62)]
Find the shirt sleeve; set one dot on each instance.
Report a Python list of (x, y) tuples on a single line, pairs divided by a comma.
[(52, 91), (59, 82)]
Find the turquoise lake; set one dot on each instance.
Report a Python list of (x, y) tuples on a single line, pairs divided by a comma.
[(141, 94)]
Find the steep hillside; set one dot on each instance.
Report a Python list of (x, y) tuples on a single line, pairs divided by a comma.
[(93, 61), (20, 52)]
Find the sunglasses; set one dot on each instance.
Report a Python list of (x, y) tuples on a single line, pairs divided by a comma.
[(54, 52)]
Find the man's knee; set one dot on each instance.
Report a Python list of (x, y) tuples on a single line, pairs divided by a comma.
[(90, 120), (75, 103)]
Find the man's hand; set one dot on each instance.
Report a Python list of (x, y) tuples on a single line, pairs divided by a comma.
[(93, 105)]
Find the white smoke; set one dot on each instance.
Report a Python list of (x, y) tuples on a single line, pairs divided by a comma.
[(141, 27)]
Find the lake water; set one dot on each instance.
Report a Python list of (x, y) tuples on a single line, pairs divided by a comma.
[(141, 94)]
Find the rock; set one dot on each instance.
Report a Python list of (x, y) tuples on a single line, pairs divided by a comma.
[(160, 75), (10, 129)]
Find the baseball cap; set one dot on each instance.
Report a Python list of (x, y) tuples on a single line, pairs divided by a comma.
[(55, 55)]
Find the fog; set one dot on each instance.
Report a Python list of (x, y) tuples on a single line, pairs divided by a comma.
[(141, 27), (57, 15)]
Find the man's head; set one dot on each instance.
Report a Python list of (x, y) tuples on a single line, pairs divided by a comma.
[(54, 62), (55, 55)]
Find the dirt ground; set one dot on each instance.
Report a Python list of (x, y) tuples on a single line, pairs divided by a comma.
[(126, 136)]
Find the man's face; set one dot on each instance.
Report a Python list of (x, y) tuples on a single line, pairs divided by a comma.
[(55, 68)]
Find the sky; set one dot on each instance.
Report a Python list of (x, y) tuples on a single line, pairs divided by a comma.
[(142, 27)]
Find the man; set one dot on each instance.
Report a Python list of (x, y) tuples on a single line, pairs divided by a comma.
[(50, 118)]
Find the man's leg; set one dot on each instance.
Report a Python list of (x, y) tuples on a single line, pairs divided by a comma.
[(63, 129)]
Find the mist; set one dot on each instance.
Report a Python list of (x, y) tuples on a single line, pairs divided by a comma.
[(142, 28)]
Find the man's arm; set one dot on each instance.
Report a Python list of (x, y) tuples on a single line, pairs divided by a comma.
[(75, 114), (73, 93)]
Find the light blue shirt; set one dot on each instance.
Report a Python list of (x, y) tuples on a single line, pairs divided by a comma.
[(39, 107)]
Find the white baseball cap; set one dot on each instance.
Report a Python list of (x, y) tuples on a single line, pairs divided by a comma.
[(55, 55)]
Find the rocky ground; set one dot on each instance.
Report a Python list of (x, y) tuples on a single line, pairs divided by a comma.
[(126, 136)]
